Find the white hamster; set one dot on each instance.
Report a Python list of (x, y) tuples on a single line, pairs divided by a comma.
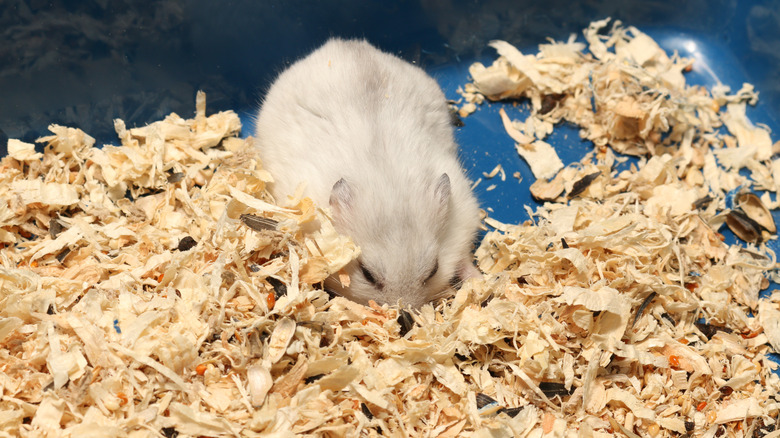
[(370, 135)]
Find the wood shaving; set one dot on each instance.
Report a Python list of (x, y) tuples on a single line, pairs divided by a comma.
[(626, 93), (496, 171), (152, 308)]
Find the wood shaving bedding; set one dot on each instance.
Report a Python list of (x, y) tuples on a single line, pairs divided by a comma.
[(626, 94), (155, 288)]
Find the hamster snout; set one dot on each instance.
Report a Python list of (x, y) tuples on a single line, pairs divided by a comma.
[(369, 135)]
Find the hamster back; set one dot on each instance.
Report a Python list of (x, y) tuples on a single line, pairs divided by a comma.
[(369, 135)]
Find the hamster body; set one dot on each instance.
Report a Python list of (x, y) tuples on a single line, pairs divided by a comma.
[(370, 135)]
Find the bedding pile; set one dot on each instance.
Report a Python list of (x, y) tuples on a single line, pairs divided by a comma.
[(156, 289)]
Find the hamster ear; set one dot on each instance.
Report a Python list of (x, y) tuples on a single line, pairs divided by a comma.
[(340, 198), (441, 192)]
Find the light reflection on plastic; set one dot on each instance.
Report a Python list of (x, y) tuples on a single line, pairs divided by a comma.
[(689, 48)]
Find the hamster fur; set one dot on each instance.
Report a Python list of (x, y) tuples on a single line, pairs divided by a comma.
[(370, 135)]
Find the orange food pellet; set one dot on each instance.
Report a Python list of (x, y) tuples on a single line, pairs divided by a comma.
[(34, 264), (691, 286), (715, 106), (688, 68), (160, 277), (721, 236), (122, 398), (271, 298), (200, 369), (674, 361), (700, 407), (653, 429), (548, 422)]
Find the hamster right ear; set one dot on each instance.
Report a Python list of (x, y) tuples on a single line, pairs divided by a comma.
[(441, 192), (341, 198)]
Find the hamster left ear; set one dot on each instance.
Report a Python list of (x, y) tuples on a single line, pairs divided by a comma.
[(340, 199), (441, 192)]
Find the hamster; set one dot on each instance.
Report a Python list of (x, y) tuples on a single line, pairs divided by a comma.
[(370, 136)]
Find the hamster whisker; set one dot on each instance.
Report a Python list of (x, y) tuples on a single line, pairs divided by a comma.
[(456, 282), (332, 284), (445, 293)]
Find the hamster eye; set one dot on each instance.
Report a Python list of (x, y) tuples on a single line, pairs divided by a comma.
[(433, 272), (369, 276)]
